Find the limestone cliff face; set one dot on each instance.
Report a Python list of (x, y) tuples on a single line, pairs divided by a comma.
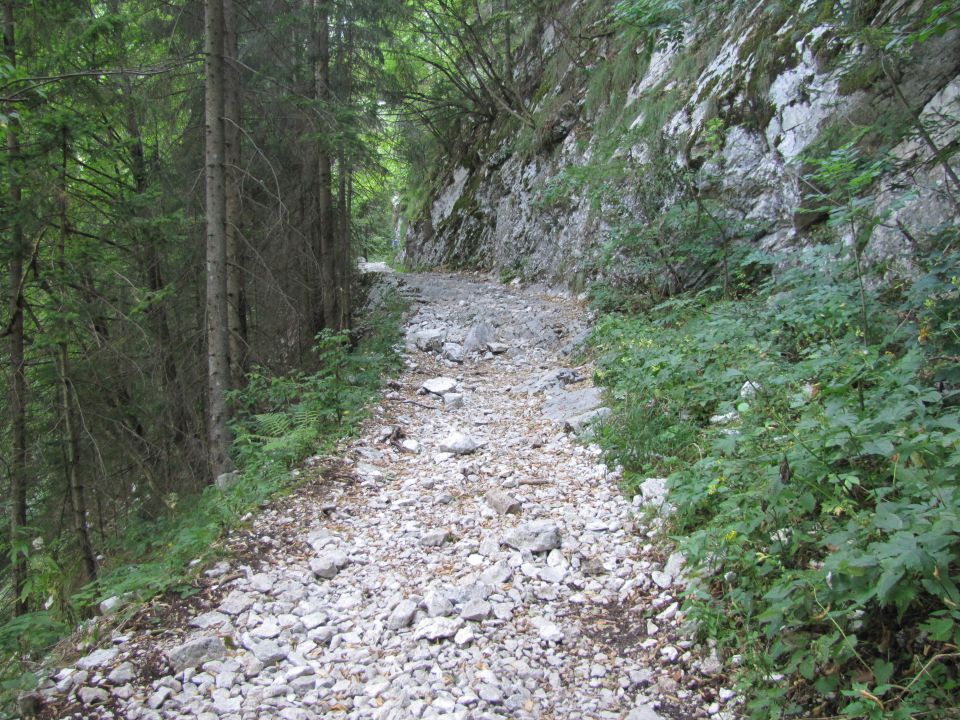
[(743, 97)]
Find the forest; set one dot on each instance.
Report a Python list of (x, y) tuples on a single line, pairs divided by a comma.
[(187, 187)]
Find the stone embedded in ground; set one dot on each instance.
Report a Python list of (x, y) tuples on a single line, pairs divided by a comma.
[(93, 695), (459, 443), (464, 636), (98, 658), (266, 630), (227, 480), (369, 472), (674, 564), (437, 628), (410, 445), (236, 602), (452, 401), (157, 699), (262, 582), (269, 652), (653, 491), (435, 538), (122, 674), (661, 579), (476, 610), (580, 423), (208, 620), (452, 352), (196, 652), (218, 570), (643, 712), (553, 574), (497, 348), (536, 536), (711, 664), (111, 604), (547, 630), (430, 340), (440, 385), (497, 575), (402, 615), (437, 604), (567, 404), (327, 566), (724, 418), (504, 503), (478, 337)]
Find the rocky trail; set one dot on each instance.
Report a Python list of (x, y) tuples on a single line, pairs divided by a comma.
[(469, 556)]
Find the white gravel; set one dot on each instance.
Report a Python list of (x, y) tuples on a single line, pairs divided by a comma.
[(515, 581)]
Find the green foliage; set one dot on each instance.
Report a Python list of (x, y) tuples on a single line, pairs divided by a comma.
[(661, 18), (281, 420), (814, 477)]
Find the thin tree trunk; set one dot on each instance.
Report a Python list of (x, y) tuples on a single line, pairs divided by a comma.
[(176, 416), (327, 237), (917, 121), (18, 386), (348, 250), (343, 245), (218, 332), (155, 283), (235, 267), (344, 269), (71, 428), (507, 41)]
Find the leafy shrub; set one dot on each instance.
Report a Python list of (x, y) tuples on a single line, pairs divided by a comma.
[(814, 477)]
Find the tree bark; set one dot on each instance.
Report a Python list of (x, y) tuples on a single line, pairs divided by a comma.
[(236, 305), (343, 244), (344, 179), (71, 428), (507, 41), (327, 232), (18, 385), (218, 332)]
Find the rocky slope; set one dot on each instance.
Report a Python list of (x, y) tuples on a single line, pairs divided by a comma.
[(466, 557), (741, 95)]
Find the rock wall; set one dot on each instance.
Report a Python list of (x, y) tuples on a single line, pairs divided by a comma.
[(746, 93)]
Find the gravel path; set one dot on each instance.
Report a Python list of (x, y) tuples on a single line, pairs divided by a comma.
[(466, 557)]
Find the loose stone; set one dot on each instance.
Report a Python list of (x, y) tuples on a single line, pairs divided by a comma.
[(196, 652), (502, 502), (537, 536), (440, 385), (459, 443)]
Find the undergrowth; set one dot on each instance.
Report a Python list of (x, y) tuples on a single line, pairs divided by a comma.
[(279, 421), (813, 472)]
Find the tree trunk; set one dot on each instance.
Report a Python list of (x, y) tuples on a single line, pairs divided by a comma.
[(327, 236), (343, 245), (344, 176), (507, 41), (236, 309), (71, 429), (18, 385), (218, 332)]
